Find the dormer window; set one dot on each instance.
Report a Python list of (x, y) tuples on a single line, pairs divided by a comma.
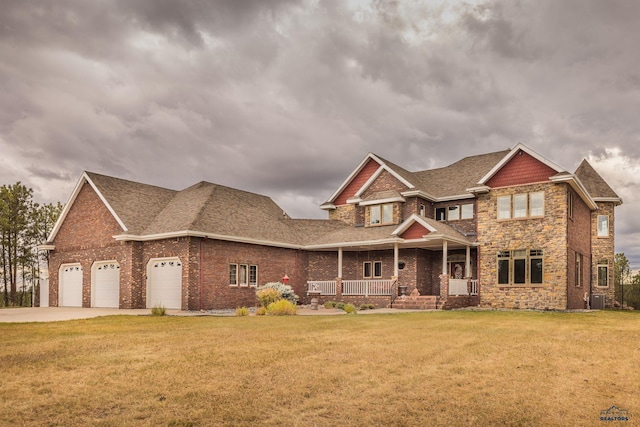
[(381, 214)]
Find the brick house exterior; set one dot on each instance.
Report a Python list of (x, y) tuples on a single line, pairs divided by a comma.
[(509, 229)]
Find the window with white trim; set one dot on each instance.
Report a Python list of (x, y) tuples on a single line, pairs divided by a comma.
[(372, 269), (520, 267), (243, 275), (603, 225)]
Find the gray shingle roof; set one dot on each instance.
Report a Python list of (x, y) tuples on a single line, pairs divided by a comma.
[(135, 204), (455, 179), (593, 182)]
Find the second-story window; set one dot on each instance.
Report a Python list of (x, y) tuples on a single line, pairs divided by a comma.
[(381, 214), (603, 225), (523, 205), (455, 212)]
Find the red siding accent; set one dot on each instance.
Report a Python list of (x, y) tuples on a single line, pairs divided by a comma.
[(415, 231), (521, 169), (357, 182)]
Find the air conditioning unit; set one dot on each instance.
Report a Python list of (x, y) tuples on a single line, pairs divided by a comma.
[(597, 301)]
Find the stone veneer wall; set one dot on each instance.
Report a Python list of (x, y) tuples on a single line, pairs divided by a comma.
[(603, 248), (548, 233), (344, 213)]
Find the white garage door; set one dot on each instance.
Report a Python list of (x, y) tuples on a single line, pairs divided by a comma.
[(106, 285), (164, 287), (70, 286)]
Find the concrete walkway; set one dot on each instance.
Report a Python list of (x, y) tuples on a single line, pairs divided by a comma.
[(55, 314)]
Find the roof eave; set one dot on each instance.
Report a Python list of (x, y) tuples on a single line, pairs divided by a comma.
[(615, 200), (200, 234), (72, 198), (353, 244), (577, 185)]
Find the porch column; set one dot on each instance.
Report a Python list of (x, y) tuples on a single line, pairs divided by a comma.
[(340, 262), (395, 260), (444, 257), (467, 266)]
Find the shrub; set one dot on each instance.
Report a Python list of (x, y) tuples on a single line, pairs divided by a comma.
[(285, 291), (282, 307), (242, 311), (350, 309), (158, 310), (340, 305), (367, 306), (261, 311), (330, 304), (267, 296)]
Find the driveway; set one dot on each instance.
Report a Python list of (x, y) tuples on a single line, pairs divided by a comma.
[(53, 314)]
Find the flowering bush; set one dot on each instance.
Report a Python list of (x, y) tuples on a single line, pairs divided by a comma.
[(285, 291)]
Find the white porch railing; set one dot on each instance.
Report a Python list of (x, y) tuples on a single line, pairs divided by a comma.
[(326, 287), (367, 287), (461, 287), (474, 287)]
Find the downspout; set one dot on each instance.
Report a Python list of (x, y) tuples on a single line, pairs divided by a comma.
[(201, 278)]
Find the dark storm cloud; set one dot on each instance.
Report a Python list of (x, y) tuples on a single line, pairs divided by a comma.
[(286, 97)]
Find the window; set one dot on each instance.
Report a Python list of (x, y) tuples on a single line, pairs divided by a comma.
[(520, 267), (377, 269), (243, 275), (525, 205), (578, 272), (253, 275), (233, 274), (371, 269), (387, 213), (453, 213), (467, 211), (603, 273), (422, 210), (381, 214), (536, 204), (603, 225), (504, 259), (504, 207), (519, 205), (535, 270)]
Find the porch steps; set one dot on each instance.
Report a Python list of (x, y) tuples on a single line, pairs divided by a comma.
[(420, 302)]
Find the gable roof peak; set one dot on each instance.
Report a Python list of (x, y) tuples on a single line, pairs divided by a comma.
[(596, 184), (515, 151)]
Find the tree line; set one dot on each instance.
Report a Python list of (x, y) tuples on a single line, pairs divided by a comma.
[(24, 224), (627, 284)]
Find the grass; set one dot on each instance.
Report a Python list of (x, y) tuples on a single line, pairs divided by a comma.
[(433, 368)]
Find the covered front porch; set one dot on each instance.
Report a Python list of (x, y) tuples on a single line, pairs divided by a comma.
[(431, 271)]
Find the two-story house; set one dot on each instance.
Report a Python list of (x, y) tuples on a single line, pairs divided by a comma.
[(509, 229)]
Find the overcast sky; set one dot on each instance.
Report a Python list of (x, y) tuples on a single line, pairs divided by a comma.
[(285, 98)]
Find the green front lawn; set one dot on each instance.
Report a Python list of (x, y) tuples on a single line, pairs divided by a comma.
[(430, 368)]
